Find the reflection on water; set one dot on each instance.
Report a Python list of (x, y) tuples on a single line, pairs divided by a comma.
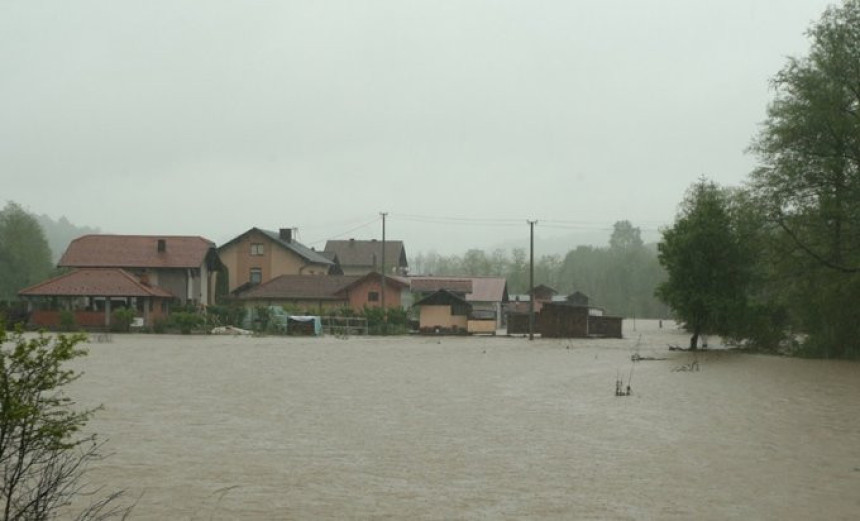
[(472, 428)]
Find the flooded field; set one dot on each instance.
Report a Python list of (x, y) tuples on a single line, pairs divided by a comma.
[(471, 428)]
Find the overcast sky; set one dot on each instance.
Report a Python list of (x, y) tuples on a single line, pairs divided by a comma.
[(462, 119)]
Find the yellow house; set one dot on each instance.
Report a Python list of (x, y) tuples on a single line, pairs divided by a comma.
[(443, 312), (258, 256)]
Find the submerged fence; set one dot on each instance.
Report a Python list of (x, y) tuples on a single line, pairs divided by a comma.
[(344, 326)]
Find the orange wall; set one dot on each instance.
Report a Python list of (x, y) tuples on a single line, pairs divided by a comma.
[(440, 316), (274, 262), (358, 295)]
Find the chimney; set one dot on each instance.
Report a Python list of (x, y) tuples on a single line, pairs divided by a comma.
[(162, 245), (286, 234)]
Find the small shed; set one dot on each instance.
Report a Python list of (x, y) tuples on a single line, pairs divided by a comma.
[(443, 312)]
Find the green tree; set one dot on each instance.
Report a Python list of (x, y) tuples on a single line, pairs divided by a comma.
[(43, 455), (808, 180), (706, 263), (25, 257), (625, 237)]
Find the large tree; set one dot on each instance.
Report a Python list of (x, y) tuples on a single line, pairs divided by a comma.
[(706, 263), (25, 257), (808, 180)]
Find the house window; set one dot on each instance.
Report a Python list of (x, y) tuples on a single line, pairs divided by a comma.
[(257, 248), (256, 276), (373, 296)]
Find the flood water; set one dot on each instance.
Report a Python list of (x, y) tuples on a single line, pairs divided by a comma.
[(470, 428)]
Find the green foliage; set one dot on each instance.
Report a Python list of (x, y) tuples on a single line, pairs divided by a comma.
[(43, 454), (707, 265), (25, 257), (225, 315), (121, 319), (621, 278), (185, 321), (262, 318), (808, 185), (397, 322), (60, 233), (67, 320), (159, 325)]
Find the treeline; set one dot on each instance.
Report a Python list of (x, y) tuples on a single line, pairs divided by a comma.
[(776, 263), (621, 277), (30, 247)]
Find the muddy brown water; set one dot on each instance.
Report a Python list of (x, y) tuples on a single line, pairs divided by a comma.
[(208, 427)]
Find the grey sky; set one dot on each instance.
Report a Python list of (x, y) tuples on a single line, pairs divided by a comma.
[(210, 117)]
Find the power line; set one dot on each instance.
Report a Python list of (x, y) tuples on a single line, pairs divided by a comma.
[(347, 232)]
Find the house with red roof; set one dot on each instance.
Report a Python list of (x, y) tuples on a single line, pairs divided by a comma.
[(322, 293), (145, 273), (184, 266), (91, 295)]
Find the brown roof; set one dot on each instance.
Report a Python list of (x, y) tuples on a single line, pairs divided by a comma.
[(95, 282), (432, 284), (362, 253), (401, 282), (136, 251), (318, 287), (477, 289), (488, 289)]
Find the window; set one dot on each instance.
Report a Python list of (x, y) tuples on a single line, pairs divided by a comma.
[(257, 248), (256, 276), (373, 296)]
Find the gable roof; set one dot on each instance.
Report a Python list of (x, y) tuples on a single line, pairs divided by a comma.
[(354, 252), (317, 287), (443, 297), (95, 282), (477, 289), (136, 251), (400, 282), (431, 284), (298, 248)]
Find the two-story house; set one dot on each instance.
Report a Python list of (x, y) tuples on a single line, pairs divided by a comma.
[(183, 266), (257, 256), (360, 257)]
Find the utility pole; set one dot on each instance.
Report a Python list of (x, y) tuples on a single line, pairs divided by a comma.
[(532, 279), (384, 310)]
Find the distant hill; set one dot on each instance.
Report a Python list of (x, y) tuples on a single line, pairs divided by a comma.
[(60, 233)]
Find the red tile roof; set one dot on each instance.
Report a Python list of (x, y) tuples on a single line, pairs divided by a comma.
[(135, 251), (319, 287), (95, 282)]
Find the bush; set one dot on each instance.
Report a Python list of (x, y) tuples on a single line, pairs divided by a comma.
[(67, 320), (43, 456), (121, 319), (397, 324), (186, 321), (225, 315)]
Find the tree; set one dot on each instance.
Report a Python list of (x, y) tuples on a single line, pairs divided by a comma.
[(625, 236), (43, 456), (25, 257), (706, 264), (808, 180)]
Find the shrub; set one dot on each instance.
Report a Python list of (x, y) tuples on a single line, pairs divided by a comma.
[(67, 320), (186, 321), (121, 319)]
